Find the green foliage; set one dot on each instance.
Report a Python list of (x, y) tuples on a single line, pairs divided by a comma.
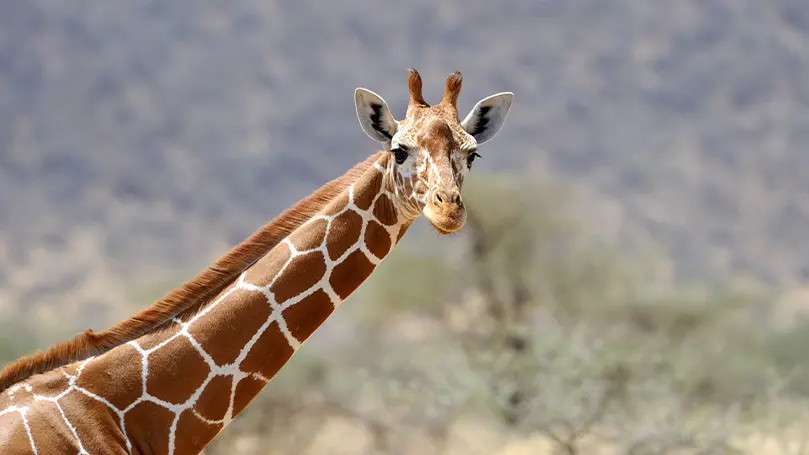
[(407, 282), (601, 341), (788, 351), (543, 329)]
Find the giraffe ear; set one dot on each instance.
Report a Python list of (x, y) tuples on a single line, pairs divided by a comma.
[(374, 115), (486, 118)]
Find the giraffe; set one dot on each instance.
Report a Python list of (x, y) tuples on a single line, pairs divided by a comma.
[(170, 378)]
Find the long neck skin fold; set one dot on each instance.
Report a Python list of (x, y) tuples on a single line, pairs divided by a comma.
[(173, 389)]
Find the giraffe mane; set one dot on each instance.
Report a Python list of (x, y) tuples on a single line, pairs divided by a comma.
[(192, 294)]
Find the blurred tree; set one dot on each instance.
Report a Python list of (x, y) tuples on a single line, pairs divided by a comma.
[(536, 326)]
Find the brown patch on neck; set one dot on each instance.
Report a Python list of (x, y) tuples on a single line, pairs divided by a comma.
[(193, 294)]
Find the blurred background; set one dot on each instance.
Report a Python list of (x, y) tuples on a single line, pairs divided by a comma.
[(633, 276)]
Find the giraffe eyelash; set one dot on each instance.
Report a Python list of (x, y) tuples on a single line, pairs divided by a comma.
[(471, 158)]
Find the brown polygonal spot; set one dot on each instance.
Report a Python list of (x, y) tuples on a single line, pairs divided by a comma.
[(102, 430), (14, 438), (337, 205), (246, 390), (227, 327), (349, 274), (307, 315), (152, 339), (72, 369), (301, 274), (193, 434), (214, 401), (364, 193), (310, 236), (343, 233), (175, 371), (384, 211), (48, 429), (264, 270), (377, 239), (147, 426), (269, 354), (21, 395), (115, 376), (48, 385)]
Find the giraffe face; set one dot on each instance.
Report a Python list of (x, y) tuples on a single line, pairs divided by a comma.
[(431, 156), (431, 150)]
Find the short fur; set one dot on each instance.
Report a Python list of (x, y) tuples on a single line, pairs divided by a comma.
[(453, 90), (414, 85), (193, 294)]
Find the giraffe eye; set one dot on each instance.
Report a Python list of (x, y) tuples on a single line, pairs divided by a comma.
[(400, 155), (471, 158)]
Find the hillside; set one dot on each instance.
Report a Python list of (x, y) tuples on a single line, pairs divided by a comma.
[(139, 140)]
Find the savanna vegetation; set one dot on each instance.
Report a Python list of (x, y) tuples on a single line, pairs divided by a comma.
[(140, 140), (527, 335)]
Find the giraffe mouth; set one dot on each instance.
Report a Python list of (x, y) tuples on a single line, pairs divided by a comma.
[(445, 222), (442, 231)]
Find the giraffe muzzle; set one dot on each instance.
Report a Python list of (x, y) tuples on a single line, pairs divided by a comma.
[(446, 211), (442, 198)]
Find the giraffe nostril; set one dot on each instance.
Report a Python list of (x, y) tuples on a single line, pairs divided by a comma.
[(440, 197), (453, 197)]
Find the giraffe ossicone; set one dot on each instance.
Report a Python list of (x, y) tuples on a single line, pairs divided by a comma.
[(169, 379)]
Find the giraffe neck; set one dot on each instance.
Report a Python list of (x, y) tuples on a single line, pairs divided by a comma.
[(172, 390)]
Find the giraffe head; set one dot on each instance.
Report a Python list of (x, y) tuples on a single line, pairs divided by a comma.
[(431, 148)]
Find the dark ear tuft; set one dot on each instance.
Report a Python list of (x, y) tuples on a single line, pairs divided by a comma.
[(374, 115), (482, 121), (487, 117), (377, 120)]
